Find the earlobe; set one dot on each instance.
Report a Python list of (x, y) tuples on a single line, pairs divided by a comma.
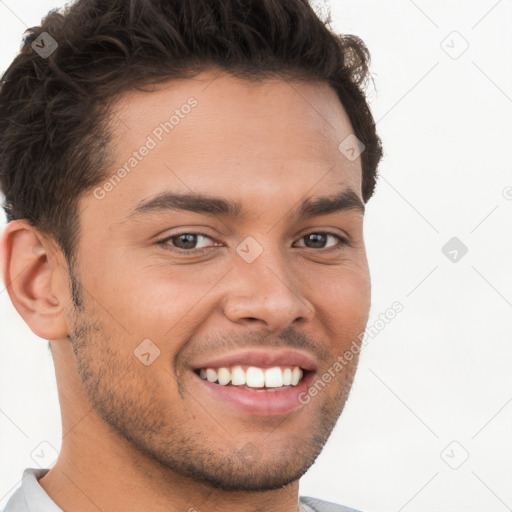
[(35, 278)]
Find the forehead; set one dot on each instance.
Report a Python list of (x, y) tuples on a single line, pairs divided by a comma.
[(218, 92), (222, 135)]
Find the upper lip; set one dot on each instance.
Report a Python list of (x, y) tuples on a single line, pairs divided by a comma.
[(260, 358)]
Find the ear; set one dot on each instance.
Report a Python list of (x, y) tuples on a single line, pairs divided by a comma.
[(35, 275)]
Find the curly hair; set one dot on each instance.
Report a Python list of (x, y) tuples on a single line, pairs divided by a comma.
[(54, 107)]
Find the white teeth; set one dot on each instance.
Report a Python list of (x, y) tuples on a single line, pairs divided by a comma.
[(274, 377), (254, 377), (224, 376), (211, 375), (296, 375), (287, 377), (237, 376)]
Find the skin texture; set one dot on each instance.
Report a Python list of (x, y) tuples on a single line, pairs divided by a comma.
[(139, 437)]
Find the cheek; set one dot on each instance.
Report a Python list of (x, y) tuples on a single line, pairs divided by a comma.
[(344, 285), (157, 302), (342, 301)]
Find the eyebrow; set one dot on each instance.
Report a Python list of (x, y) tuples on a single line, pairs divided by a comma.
[(344, 201)]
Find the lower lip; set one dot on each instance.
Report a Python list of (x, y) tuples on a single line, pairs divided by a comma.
[(259, 402)]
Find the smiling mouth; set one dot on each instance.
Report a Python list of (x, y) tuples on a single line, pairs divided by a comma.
[(253, 378)]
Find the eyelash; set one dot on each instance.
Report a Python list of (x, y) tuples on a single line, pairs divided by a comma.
[(343, 242)]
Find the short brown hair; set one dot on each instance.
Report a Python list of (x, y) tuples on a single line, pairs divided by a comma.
[(54, 141)]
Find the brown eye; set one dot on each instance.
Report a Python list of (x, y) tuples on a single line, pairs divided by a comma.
[(185, 241), (319, 240)]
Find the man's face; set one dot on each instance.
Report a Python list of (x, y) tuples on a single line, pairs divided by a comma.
[(263, 288)]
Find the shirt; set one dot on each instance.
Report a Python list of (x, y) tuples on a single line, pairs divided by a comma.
[(31, 497)]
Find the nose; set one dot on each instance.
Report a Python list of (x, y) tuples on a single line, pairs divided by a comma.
[(266, 291)]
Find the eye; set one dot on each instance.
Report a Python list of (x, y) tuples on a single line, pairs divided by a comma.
[(186, 241), (319, 239)]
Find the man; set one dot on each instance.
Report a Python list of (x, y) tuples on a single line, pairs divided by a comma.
[(185, 185)]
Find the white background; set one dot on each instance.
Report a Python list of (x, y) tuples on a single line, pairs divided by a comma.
[(441, 371)]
